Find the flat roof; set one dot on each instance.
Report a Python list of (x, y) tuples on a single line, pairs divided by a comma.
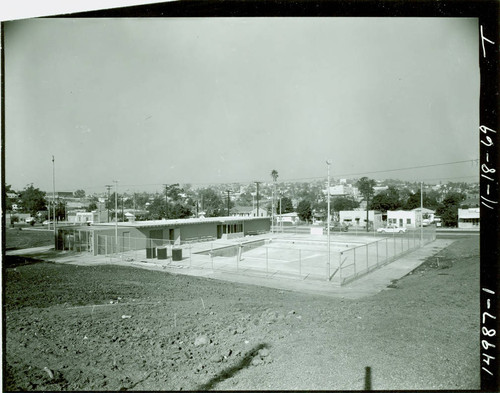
[(180, 221)]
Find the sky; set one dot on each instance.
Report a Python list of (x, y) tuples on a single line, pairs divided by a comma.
[(214, 100)]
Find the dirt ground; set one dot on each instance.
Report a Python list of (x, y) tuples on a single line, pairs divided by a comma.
[(74, 327)]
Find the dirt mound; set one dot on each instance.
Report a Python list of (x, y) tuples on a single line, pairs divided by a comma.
[(117, 328)]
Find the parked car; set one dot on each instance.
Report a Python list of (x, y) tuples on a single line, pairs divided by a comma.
[(391, 229), (337, 227), (29, 220), (47, 222)]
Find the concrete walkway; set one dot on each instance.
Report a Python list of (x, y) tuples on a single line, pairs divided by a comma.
[(367, 285), (29, 251)]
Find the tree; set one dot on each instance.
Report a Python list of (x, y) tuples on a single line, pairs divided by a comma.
[(429, 200), (93, 200), (274, 176), (92, 206), (79, 194), (448, 211), (304, 210), (110, 202), (413, 201), (365, 187), (179, 211), (32, 200), (246, 199), (212, 203), (8, 201), (60, 210), (386, 200), (284, 205), (344, 203), (173, 192), (157, 208)]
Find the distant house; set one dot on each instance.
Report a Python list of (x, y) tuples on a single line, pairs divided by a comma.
[(343, 190), (357, 218), (248, 211), (468, 218), (86, 217), (287, 218), (410, 218)]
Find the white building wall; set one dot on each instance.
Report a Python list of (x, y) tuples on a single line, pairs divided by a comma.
[(404, 218), (468, 218), (357, 218)]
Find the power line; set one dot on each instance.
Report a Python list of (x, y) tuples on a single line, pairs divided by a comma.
[(316, 177), (391, 170)]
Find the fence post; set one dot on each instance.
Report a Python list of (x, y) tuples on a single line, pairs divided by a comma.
[(238, 258), (386, 249), (376, 245), (354, 251), (105, 245), (212, 254), (367, 256), (300, 263), (340, 267), (267, 260)]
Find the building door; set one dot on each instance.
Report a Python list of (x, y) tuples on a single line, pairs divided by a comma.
[(125, 241), (400, 222), (177, 236), (219, 231), (156, 236)]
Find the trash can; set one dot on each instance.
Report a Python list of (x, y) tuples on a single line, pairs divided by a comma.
[(177, 254), (150, 252), (162, 252)]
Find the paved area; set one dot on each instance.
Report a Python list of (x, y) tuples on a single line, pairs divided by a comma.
[(30, 251), (367, 285)]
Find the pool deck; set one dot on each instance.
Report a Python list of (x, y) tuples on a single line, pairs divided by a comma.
[(367, 285)]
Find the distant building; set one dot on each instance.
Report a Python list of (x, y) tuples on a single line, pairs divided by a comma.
[(248, 211), (357, 218), (86, 218), (410, 218), (468, 218), (287, 218)]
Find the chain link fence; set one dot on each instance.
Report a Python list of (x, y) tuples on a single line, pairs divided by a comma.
[(360, 260), (295, 256)]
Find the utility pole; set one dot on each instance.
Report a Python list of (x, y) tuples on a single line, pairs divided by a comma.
[(257, 183), (421, 214), (116, 214), (123, 215), (328, 163), (166, 200), (281, 217), (108, 187), (54, 196), (228, 200)]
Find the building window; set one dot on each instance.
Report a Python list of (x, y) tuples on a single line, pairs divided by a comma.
[(408, 221)]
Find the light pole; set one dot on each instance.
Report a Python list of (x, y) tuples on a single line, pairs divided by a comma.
[(421, 214), (228, 200), (328, 163), (108, 188), (257, 183), (281, 217), (116, 215), (54, 196)]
